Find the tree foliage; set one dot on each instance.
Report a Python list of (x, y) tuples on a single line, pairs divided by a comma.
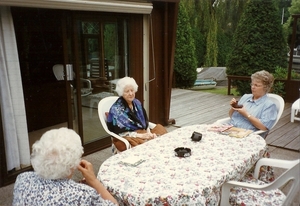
[(212, 44), (200, 46), (228, 13), (213, 25), (185, 63), (197, 11), (288, 26), (258, 42)]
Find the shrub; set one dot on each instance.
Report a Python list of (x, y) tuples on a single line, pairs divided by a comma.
[(185, 62), (278, 88), (282, 73)]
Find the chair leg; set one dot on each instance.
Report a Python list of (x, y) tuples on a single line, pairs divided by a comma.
[(92, 103), (292, 115)]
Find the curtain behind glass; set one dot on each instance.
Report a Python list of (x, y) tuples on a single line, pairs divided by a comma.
[(11, 96)]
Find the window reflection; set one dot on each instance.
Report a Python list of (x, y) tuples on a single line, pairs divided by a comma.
[(103, 48)]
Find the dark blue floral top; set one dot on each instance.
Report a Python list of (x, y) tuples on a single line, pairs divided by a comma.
[(31, 189), (122, 119)]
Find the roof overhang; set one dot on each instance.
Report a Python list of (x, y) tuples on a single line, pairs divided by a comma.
[(138, 7)]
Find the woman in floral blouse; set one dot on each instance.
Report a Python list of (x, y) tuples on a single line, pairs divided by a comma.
[(54, 158)]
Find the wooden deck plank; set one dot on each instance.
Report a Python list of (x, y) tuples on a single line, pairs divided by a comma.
[(196, 110), (210, 111), (287, 135), (191, 100), (197, 107), (199, 112), (295, 144), (206, 116), (283, 121)]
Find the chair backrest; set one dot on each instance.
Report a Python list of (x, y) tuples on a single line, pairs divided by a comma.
[(94, 70), (103, 107), (291, 174), (58, 70), (59, 73), (278, 100)]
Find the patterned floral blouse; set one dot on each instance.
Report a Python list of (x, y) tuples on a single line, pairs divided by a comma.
[(31, 189)]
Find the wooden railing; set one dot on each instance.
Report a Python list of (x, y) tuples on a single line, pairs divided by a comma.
[(234, 77), (292, 87)]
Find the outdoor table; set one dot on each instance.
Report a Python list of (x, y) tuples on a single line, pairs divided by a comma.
[(161, 178)]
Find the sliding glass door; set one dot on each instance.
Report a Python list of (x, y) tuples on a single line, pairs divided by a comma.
[(100, 56)]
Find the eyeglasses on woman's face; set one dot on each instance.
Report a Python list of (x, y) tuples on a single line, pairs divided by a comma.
[(256, 85)]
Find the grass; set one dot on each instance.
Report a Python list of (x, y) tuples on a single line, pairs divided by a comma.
[(220, 90)]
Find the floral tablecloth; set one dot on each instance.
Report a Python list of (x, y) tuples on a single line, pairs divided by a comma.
[(164, 179)]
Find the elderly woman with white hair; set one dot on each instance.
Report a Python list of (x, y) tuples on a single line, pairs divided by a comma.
[(54, 159), (128, 118)]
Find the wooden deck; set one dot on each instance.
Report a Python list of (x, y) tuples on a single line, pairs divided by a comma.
[(198, 107)]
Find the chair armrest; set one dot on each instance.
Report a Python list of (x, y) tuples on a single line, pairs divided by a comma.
[(152, 125), (127, 144), (260, 131), (89, 83), (223, 121), (291, 175), (286, 164)]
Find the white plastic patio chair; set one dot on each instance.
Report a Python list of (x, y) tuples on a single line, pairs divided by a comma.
[(295, 110), (58, 70), (103, 108), (264, 194), (278, 100)]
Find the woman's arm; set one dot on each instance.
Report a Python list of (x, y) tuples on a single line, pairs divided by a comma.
[(253, 120), (230, 112), (232, 101), (86, 168), (256, 122)]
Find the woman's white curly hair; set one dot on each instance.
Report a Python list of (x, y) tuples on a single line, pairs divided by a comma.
[(122, 83), (57, 153)]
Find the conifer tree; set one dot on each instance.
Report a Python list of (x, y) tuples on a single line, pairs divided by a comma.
[(258, 42), (185, 62)]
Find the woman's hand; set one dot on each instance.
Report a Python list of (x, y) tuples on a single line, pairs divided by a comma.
[(233, 101), (148, 135), (242, 111), (87, 170)]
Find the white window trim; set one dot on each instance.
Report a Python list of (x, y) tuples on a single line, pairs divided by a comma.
[(85, 5), (146, 70)]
